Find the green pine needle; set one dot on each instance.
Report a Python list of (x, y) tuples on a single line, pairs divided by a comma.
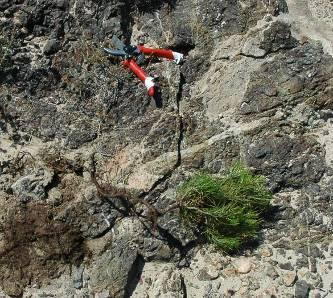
[(228, 207)]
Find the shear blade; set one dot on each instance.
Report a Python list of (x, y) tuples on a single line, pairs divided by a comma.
[(140, 59), (118, 53)]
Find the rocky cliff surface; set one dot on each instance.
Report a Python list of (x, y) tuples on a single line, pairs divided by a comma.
[(255, 85)]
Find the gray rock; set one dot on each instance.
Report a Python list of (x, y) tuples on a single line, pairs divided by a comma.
[(271, 272), (277, 37), (289, 79), (78, 277), (79, 137), (114, 268), (4, 4), (204, 275), (155, 249), (33, 186), (118, 269), (312, 250), (313, 265), (243, 265), (302, 289), (51, 47), (95, 218), (172, 224), (212, 291), (302, 262), (271, 38), (288, 278), (286, 266)]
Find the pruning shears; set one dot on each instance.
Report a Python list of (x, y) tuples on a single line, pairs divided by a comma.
[(134, 55)]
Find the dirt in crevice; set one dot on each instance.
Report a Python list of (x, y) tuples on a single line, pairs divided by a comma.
[(35, 248), (183, 285), (181, 122)]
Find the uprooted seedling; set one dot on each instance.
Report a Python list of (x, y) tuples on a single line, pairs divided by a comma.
[(35, 247), (227, 210)]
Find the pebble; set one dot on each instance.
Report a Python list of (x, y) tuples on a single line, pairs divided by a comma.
[(271, 272), (206, 274), (104, 294), (229, 272), (243, 290), (269, 292), (286, 266), (302, 289), (288, 278), (243, 265), (51, 47), (313, 265), (265, 252)]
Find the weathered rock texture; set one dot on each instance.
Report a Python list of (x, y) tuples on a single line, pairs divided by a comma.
[(73, 124)]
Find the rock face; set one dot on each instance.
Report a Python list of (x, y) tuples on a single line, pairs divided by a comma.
[(80, 138)]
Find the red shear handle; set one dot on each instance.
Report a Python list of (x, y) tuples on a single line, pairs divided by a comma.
[(139, 72), (161, 53), (156, 52)]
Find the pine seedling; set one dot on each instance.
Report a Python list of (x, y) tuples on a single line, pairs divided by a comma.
[(226, 209)]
